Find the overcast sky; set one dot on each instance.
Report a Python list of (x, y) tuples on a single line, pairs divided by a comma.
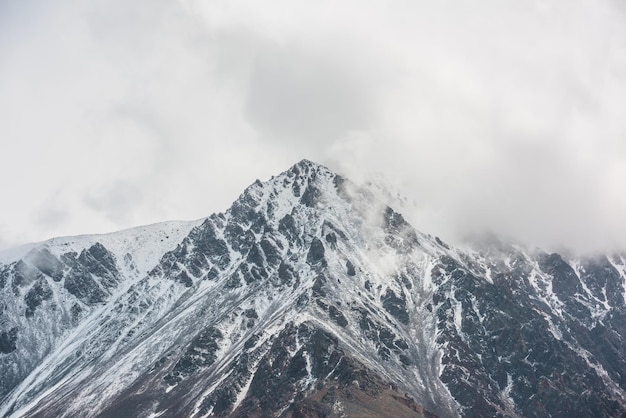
[(500, 114)]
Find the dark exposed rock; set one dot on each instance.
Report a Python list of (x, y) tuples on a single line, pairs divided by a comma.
[(4, 275), (394, 222), (273, 383), (184, 279), (443, 244), (201, 252), (272, 255), (311, 196), (97, 253), (302, 301), (296, 189), (404, 280), (69, 258), (81, 284), (396, 306), (286, 275), (340, 378), (234, 281), (287, 226), (400, 235), (544, 373), (237, 237), (258, 224), (350, 268), (337, 316), (223, 399), (251, 273), (243, 210), (315, 256), (251, 313), (255, 256), (98, 261), (212, 274), (199, 354), (318, 286), (333, 233), (36, 295), (8, 341), (564, 279)]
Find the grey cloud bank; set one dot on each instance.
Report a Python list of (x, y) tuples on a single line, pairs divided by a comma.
[(491, 114)]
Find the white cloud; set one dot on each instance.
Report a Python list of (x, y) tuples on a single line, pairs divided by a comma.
[(499, 114)]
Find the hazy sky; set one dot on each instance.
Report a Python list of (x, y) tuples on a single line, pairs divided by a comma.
[(504, 114)]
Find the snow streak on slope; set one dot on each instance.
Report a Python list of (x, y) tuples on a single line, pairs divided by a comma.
[(52, 290)]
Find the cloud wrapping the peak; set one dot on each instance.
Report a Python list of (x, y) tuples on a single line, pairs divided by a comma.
[(489, 114)]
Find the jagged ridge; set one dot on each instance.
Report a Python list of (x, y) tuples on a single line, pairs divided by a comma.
[(306, 294)]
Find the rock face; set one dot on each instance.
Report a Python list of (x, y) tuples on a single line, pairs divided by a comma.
[(309, 298)]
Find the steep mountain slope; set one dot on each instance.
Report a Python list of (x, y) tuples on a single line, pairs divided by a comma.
[(49, 289), (308, 297)]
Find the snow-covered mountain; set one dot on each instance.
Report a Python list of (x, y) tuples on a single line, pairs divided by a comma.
[(308, 297)]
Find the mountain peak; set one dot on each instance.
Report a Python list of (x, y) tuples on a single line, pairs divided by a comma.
[(308, 296), (306, 163), (307, 166)]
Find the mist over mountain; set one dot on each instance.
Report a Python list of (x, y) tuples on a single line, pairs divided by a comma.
[(309, 297), (491, 114)]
